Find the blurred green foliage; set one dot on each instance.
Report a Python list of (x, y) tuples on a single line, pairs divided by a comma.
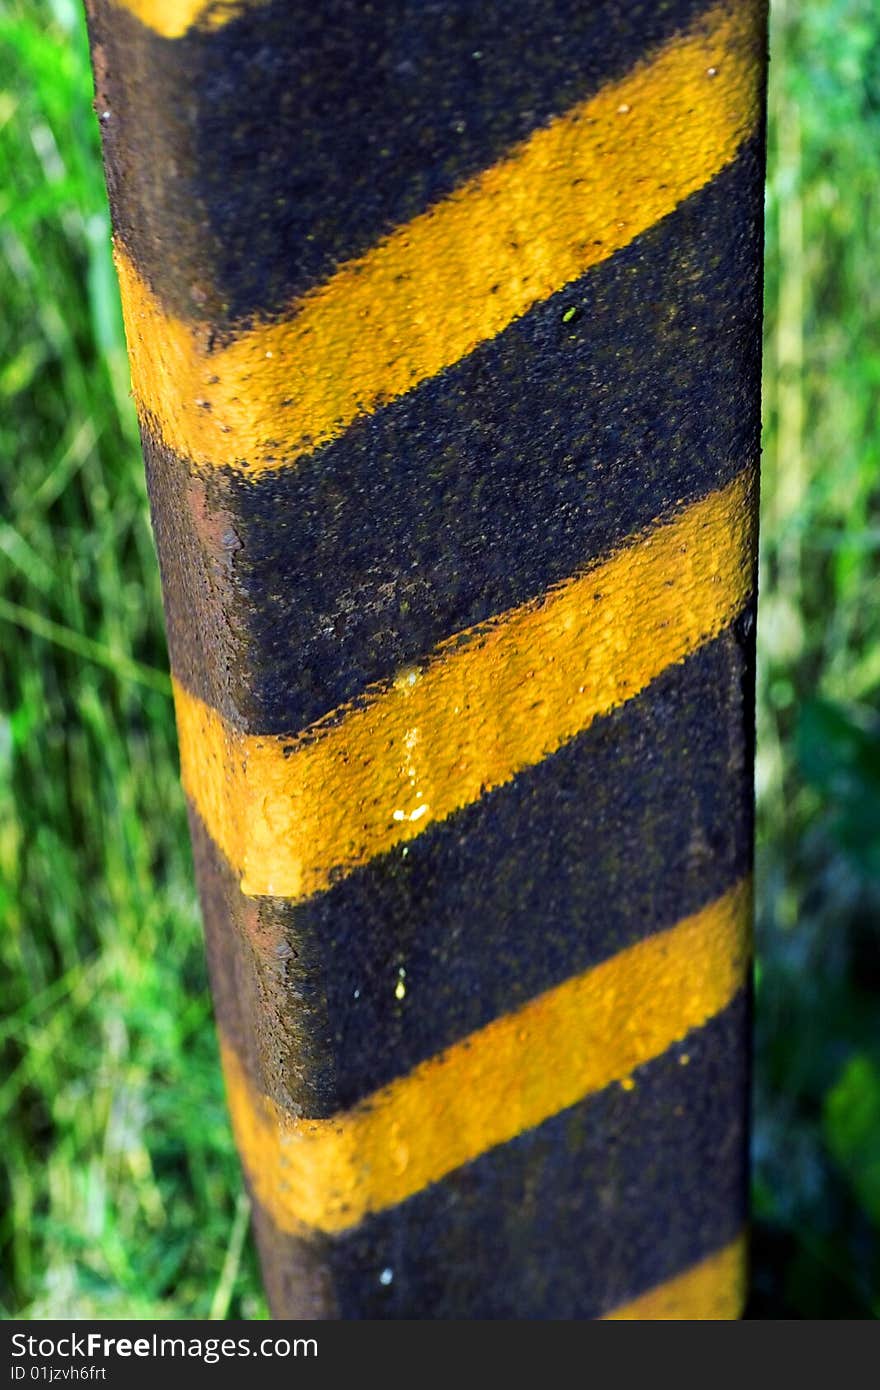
[(120, 1185), (817, 1116), (121, 1193)]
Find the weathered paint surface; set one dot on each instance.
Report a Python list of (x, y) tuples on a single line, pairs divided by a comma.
[(467, 497), (378, 112), (460, 272), (608, 1199), (444, 334), (293, 815), (713, 1290), (172, 18), (638, 822), (518, 1071)]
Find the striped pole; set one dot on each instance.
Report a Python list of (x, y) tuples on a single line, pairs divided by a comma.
[(444, 329)]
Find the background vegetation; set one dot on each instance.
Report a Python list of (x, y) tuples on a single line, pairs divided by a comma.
[(817, 1137), (119, 1187)]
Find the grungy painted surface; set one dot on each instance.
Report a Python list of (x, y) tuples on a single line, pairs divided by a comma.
[(444, 326)]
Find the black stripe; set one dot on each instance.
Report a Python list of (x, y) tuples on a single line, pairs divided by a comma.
[(599, 1204), (640, 821), (537, 453), (372, 113), (267, 984)]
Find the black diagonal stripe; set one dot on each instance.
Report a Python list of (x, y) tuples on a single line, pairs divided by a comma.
[(537, 453), (245, 163), (597, 1205), (640, 821)]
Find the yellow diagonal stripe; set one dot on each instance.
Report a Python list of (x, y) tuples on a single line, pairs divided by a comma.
[(293, 814), (565, 199), (509, 1077), (172, 18), (711, 1291)]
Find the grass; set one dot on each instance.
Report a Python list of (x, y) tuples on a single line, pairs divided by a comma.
[(121, 1190), (122, 1194), (817, 1142)]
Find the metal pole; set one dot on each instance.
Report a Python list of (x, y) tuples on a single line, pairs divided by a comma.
[(444, 329)]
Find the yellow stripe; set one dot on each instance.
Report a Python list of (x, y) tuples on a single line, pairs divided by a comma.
[(172, 18), (509, 1077), (711, 1291), (292, 814), (567, 198)]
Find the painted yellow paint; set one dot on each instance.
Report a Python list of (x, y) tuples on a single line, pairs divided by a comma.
[(172, 18), (293, 814), (712, 1291), (592, 1031), (565, 199)]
